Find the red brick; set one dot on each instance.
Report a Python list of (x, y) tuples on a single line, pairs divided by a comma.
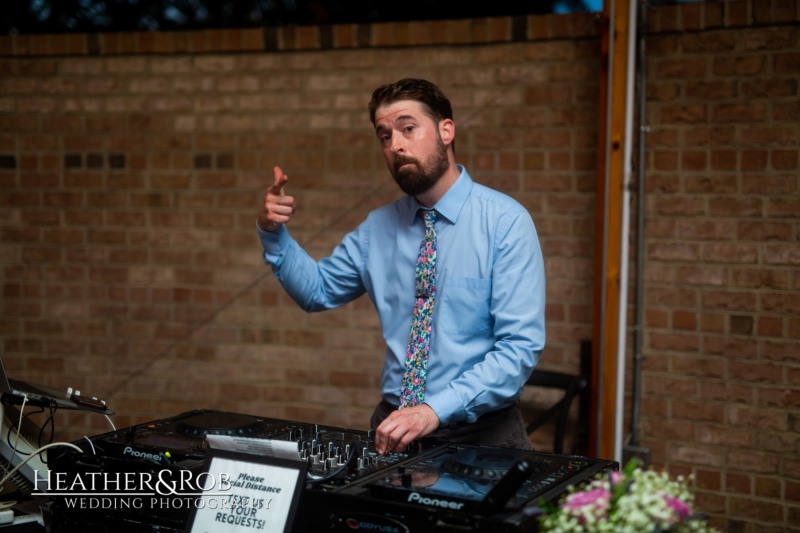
[(745, 65), (697, 455), (760, 278), (792, 491), (684, 320), (757, 418), (729, 392), (783, 207), (692, 161), (709, 136), (770, 326), (736, 206), (775, 184), (784, 159), (756, 510), (754, 372), (673, 252), (740, 483), (703, 275), (675, 342), (780, 302), (781, 255), (670, 429), (713, 322), (749, 112), (683, 114), (765, 231), (656, 318), (775, 397), (732, 300), (768, 87)]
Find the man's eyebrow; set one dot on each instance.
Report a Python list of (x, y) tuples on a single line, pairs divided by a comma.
[(401, 118)]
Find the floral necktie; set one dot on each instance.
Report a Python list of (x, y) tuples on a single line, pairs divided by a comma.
[(412, 391)]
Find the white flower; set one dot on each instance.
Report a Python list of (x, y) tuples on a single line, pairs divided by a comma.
[(634, 501)]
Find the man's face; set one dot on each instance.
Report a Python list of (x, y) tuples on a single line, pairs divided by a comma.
[(412, 146)]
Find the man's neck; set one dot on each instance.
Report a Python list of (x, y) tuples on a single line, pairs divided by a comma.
[(435, 193)]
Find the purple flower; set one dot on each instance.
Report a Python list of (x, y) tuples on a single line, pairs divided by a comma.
[(679, 507), (593, 502)]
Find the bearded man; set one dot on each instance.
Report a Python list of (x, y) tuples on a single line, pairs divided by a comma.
[(455, 272)]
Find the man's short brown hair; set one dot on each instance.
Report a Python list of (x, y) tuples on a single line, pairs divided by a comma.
[(433, 100)]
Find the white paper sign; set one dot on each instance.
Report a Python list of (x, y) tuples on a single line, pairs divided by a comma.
[(264, 447)]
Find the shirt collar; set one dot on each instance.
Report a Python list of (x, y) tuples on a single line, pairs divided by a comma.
[(449, 205)]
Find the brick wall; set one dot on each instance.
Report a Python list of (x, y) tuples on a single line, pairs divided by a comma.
[(722, 298), (131, 167)]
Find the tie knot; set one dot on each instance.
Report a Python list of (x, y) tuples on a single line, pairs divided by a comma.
[(430, 218)]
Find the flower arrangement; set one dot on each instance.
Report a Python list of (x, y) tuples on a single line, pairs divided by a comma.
[(634, 500)]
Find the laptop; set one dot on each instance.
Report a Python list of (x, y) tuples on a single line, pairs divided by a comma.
[(15, 391)]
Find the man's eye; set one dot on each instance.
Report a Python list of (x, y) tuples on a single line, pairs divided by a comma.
[(409, 129)]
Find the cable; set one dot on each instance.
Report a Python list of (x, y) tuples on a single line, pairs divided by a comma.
[(40, 436), (51, 421), (193, 328), (91, 444), (16, 441), (39, 439), (34, 454)]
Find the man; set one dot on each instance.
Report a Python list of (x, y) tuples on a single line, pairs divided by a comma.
[(474, 302)]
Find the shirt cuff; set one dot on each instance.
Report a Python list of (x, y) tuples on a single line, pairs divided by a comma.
[(447, 407), (273, 243)]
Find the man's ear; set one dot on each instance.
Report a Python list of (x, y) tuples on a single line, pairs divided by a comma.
[(447, 131)]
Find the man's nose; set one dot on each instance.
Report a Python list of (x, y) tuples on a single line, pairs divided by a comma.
[(397, 144)]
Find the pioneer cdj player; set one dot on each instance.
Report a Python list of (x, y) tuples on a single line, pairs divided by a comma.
[(432, 486)]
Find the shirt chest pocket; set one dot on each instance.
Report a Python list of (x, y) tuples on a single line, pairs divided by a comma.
[(465, 306)]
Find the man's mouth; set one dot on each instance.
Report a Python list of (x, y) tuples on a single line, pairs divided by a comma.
[(404, 163)]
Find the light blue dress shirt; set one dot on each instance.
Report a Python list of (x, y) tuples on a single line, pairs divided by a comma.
[(488, 323)]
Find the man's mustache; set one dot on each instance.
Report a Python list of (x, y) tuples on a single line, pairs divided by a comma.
[(401, 160)]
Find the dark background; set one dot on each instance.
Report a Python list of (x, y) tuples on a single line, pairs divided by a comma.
[(58, 16)]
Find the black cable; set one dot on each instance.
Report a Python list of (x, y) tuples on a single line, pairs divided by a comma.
[(193, 328)]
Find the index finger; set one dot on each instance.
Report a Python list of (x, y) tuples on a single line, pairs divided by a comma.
[(280, 180)]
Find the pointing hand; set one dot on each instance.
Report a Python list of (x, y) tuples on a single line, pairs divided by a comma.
[(277, 208)]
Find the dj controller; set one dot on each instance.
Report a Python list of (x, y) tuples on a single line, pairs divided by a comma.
[(432, 486)]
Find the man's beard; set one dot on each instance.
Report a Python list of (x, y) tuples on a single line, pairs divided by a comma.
[(417, 178)]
